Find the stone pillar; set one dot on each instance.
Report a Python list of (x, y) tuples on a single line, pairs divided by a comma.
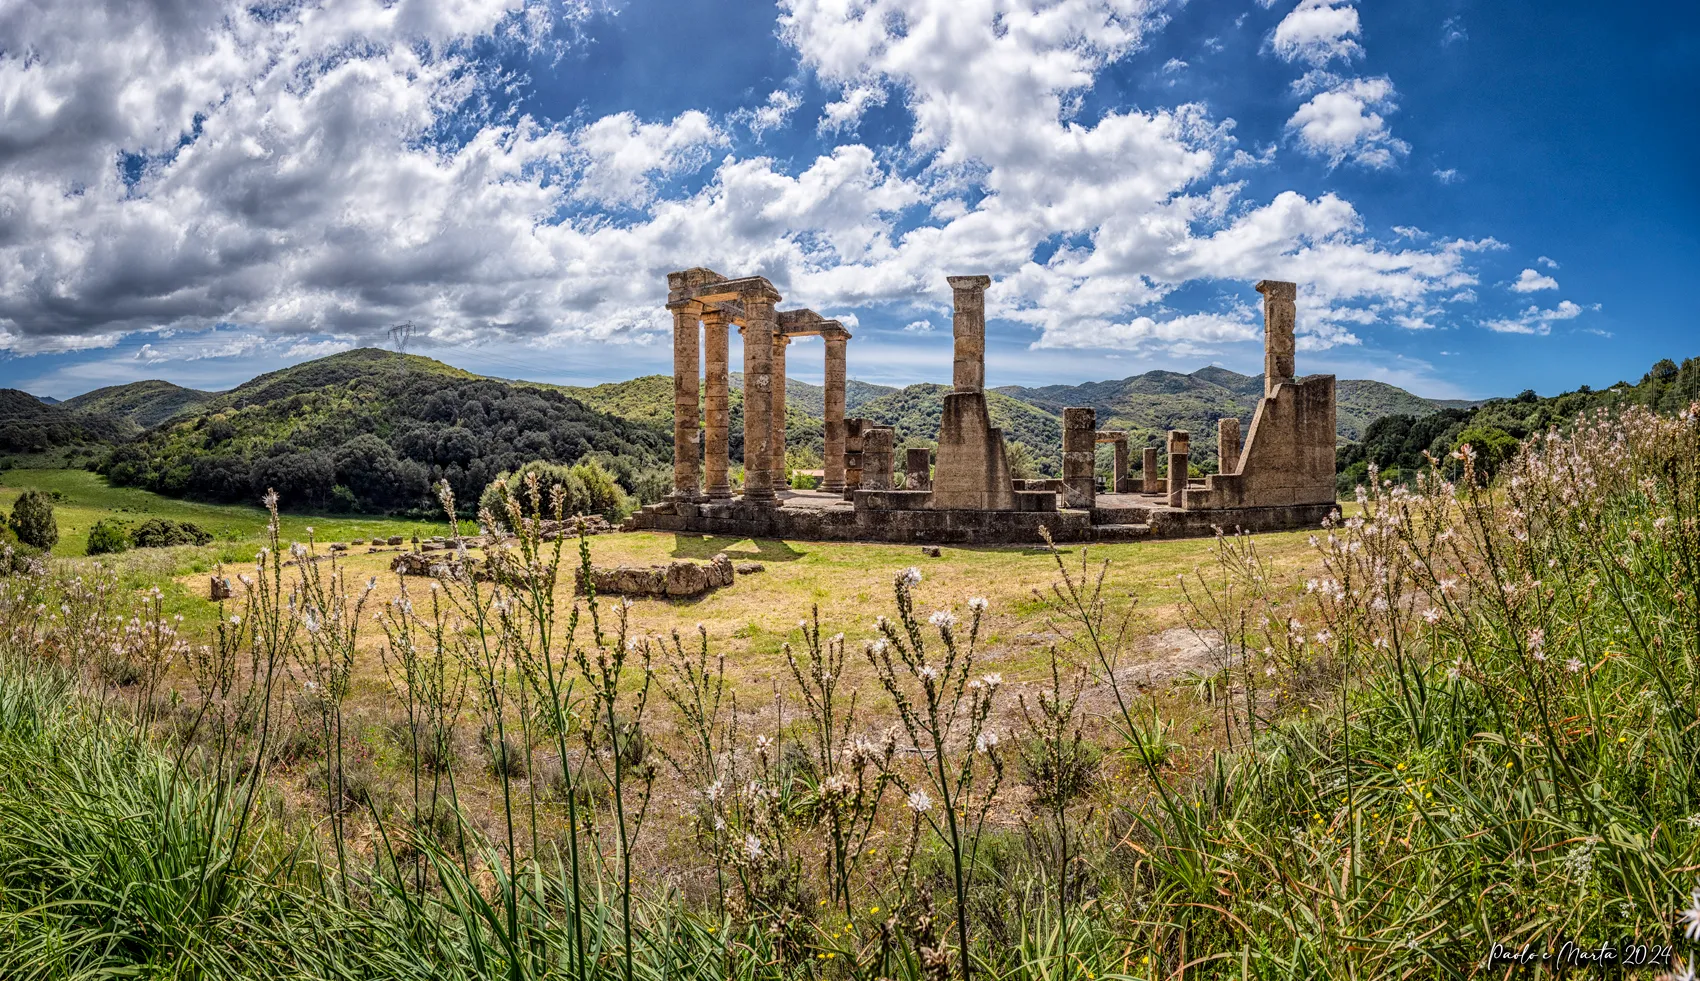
[(687, 368), (1280, 315), (918, 464), (1153, 484), (1179, 447), (968, 324), (878, 447), (836, 342), (776, 446), (717, 384), (854, 430), (759, 327), (1080, 454), (1228, 445), (1123, 481)]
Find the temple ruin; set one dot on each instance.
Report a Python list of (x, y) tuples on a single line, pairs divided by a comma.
[(1281, 476)]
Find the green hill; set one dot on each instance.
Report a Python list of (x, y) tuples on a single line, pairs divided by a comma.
[(915, 412), (145, 403), (29, 425), (374, 430), (1396, 443)]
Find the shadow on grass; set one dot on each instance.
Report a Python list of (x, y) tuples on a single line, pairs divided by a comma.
[(693, 546)]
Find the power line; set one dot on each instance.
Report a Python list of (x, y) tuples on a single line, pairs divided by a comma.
[(400, 334)]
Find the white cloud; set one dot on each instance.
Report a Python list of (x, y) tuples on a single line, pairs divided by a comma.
[(1549, 263), (1447, 175), (1529, 281), (1174, 65), (919, 327), (1342, 124), (315, 173), (618, 154), (781, 103), (1534, 320), (1319, 31)]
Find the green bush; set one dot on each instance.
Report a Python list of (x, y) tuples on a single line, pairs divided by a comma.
[(163, 533), (108, 537), (32, 519), (588, 489)]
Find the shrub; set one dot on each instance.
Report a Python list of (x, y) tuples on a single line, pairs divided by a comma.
[(108, 537), (163, 533), (588, 486), (32, 519)]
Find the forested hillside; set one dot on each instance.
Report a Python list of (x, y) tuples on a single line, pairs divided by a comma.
[(29, 425), (145, 403), (1397, 443), (374, 430)]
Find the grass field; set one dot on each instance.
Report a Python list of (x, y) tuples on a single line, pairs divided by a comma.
[(86, 498)]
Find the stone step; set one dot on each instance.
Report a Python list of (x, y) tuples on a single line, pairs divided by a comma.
[(1120, 533), (1121, 516)]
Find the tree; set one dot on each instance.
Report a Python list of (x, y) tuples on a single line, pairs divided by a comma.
[(108, 536), (32, 519)]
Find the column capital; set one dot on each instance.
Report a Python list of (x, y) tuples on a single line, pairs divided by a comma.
[(1276, 289), (968, 282)]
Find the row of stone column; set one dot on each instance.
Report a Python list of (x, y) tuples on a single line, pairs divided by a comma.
[(764, 401)]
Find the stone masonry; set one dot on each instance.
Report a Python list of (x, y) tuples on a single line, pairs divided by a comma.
[(972, 472), (1279, 473), (1080, 455), (1228, 445)]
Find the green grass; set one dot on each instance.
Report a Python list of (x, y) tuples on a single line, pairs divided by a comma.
[(86, 498)]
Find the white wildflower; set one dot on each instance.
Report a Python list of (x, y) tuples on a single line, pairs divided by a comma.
[(977, 604), (752, 846), (919, 802), (986, 742), (943, 619), (1574, 665), (910, 576)]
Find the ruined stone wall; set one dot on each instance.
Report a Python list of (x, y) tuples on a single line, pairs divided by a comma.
[(1288, 456)]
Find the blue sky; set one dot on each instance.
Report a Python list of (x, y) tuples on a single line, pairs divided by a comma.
[(1476, 198)]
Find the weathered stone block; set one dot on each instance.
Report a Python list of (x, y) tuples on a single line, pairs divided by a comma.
[(972, 472)]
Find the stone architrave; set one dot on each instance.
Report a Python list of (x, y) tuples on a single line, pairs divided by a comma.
[(1122, 483), (836, 341), (878, 448), (1151, 481), (717, 385), (776, 446), (918, 466), (1080, 446), (972, 472), (968, 325), (760, 325), (1228, 445), (1280, 316), (1179, 451), (687, 366)]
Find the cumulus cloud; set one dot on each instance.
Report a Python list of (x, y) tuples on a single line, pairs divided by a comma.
[(919, 327), (1549, 263), (1319, 31), (1530, 281), (314, 173), (1344, 123), (1535, 320)]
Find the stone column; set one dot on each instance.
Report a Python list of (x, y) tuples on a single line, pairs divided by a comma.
[(687, 366), (1179, 450), (968, 324), (1080, 455), (853, 443), (759, 327), (1123, 482), (878, 447), (836, 341), (1153, 484), (1228, 445), (717, 385), (776, 446), (918, 465), (1280, 314)]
